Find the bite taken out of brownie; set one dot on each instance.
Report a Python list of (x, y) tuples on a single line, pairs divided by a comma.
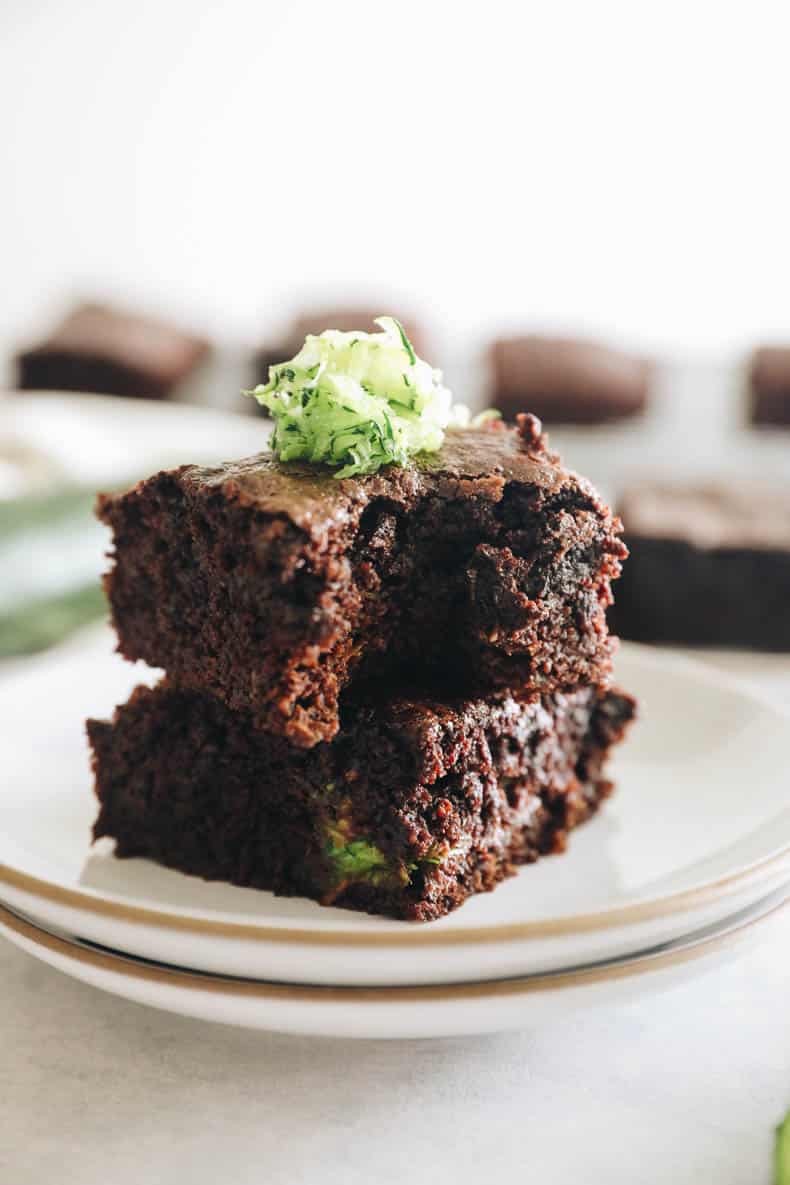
[(274, 585), (415, 805)]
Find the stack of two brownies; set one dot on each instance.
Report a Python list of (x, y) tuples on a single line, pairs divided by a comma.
[(383, 692)]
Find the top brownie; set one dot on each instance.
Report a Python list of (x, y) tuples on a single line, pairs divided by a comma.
[(274, 585)]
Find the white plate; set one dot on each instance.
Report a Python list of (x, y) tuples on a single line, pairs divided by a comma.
[(98, 440), (439, 1010), (698, 828)]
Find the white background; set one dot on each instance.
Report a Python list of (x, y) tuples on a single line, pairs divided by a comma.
[(619, 167), (616, 167)]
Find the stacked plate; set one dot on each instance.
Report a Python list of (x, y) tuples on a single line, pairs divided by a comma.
[(691, 853)]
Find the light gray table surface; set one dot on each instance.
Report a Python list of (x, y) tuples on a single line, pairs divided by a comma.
[(683, 1089)]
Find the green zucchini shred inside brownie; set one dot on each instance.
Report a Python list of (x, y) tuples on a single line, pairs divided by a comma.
[(360, 860)]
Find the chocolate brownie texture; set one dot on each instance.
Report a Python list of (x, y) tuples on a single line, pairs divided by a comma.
[(567, 381), (110, 351), (347, 320), (769, 386), (274, 586), (415, 805), (709, 564)]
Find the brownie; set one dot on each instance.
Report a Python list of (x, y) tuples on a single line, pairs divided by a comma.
[(274, 585), (415, 805), (347, 320), (113, 352), (567, 381), (769, 386), (708, 564)]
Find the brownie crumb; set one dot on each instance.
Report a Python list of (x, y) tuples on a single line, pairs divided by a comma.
[(533, 439)]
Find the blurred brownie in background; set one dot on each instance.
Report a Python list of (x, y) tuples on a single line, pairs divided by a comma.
[(345, 319), (708, 564), (769, 385), (111, 351), (566, 380)]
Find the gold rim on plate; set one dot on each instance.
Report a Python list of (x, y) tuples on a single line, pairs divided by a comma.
[(300, 993), (411, 935)]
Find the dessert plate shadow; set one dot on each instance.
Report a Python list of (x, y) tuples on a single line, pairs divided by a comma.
[(699, 828)]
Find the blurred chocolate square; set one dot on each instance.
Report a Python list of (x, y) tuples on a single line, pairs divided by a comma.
[(567, 380), (769, 386), (709, 564), (111, 351)]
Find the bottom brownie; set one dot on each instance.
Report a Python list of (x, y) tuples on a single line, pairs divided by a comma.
[(414, 806)]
